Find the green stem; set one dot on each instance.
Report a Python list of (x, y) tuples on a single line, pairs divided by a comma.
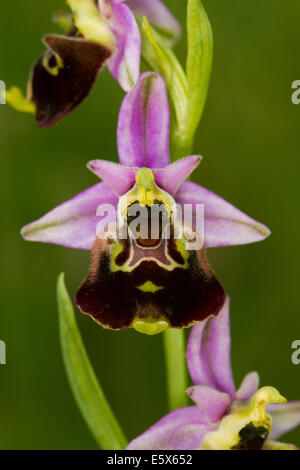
[(188, 92), (174, 344)]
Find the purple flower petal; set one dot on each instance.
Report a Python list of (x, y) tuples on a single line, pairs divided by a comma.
[(182, 429), (73, 223), (208, 353), (115, 2), (171, 177), (158, 15), (124, 65), (119, 178), (225, 225), (248, 387), (213, 403), (285, 417), (144, 124)]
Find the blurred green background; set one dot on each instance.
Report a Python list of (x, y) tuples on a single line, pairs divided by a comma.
[(249, 136)]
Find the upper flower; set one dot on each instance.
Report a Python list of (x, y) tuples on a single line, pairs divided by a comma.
[(224, 418), (98, 32), (148, 282)]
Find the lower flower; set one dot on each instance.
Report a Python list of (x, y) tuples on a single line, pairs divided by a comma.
[(224, 418), (246, 426)]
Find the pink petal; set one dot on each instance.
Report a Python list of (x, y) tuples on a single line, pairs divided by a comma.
[(119, 178), (158, 15), (124, 65), (144, 124), (73, 223), (182, 429), (285, 417), (213, 403), (225, 225), (248, 387), (172, 176), (208, 353)]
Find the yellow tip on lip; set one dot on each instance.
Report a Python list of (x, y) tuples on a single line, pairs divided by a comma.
[(16, 99), (149, 326)]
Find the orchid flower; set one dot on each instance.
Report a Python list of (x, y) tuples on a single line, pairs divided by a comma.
[(223, 418), (148, 283), (98, 32)]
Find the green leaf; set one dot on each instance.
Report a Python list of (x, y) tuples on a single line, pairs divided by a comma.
[(199, 63), (84, 384)]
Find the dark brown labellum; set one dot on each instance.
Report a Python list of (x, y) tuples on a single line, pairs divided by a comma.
[(63, 77), (139, 283)]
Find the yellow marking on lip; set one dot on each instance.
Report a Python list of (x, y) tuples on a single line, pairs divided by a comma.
[(149, 286), (59, 63)]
